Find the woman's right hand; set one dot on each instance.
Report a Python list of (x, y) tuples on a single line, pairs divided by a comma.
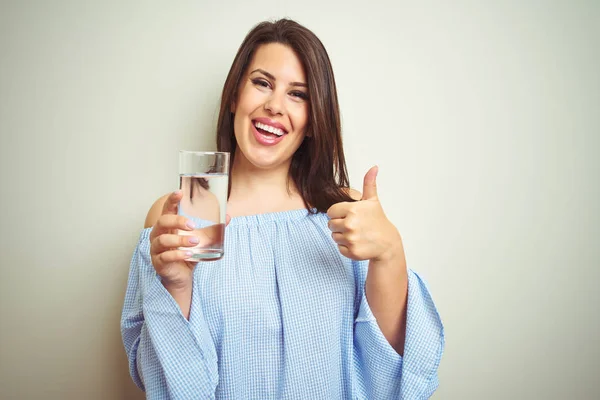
[(169, 261)]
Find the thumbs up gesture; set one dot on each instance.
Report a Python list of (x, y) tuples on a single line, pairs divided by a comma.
[(361, 229)]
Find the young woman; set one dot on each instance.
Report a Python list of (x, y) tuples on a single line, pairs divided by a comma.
[(312, 298)]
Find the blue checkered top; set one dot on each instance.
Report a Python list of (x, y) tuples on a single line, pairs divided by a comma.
[(283, 315)]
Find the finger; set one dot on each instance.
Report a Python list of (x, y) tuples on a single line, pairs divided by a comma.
[(339, 210), (170, 241), (170, 256), (339, 238), (205, 237), (227, 219), (344, 251), (370, 184), (337, 225), (169, 221), (172, 203)]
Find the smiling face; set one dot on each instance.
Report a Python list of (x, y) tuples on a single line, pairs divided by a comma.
[(271, 111)]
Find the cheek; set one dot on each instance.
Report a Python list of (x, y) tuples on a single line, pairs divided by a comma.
[(247, 100), (300, 119), (237, 125)]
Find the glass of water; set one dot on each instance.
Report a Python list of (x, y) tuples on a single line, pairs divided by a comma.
[(204, 182)]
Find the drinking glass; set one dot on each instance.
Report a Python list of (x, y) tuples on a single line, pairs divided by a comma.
[(204, 182)]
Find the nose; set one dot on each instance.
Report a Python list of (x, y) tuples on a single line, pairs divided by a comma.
[(274, 104)]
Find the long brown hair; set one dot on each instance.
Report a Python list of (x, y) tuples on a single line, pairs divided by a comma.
[(318, 167)]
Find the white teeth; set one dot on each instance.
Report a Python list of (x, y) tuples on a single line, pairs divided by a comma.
[(269, 128)]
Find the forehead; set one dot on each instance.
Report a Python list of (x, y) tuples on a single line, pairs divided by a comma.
[(280, 61)]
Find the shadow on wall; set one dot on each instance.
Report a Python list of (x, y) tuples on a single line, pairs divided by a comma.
[(130, 391)]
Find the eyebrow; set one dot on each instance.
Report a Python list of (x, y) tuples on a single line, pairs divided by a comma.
[(270, 76)]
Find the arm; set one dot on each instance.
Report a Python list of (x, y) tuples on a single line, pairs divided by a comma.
[(398, 335), (386, 285), (386, 290), (182, 293), (171, 354), (383, 373)]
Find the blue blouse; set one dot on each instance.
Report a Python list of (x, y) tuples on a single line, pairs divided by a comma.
[(283, 315)]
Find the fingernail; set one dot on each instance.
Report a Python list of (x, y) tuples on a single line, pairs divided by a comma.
[(193, 240), (190, 224), (188, 253)]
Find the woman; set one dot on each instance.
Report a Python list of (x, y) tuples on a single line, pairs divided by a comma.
[(312, 298)]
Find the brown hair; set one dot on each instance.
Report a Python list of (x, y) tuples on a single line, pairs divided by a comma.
[(318, 167)]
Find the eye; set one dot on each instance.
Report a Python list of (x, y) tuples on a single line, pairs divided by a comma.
[(261, 82), (300, 95)]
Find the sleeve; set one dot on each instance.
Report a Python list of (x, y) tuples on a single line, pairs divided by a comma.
[(170, 357), (380, 372)]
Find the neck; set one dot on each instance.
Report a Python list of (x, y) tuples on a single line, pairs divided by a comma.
[(258, 191), (249, 179)]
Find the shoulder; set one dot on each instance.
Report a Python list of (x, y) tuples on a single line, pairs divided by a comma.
[(155, 211), (344, 195), (355, 194)]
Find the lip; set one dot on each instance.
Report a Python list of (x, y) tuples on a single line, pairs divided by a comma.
[(266, 140), (270, 122)]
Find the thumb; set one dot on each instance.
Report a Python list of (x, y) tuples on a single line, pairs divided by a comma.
[(370, 184)]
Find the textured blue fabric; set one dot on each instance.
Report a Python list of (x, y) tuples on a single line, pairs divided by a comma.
[(282, 315)]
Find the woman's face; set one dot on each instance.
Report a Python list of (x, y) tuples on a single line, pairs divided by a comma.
[(271, 111)]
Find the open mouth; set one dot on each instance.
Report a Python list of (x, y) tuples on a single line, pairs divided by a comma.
[(268, 130)]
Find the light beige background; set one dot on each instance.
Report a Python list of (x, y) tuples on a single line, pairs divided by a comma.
[(484, 118)]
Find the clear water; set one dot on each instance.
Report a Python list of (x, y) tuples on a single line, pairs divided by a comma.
[(205, 199)]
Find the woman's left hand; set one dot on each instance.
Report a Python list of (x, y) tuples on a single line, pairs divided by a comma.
[(361, 229)]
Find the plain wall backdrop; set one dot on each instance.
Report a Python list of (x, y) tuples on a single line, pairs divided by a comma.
[(484, 118)]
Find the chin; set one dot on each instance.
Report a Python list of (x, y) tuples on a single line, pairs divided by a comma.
[(264, 159)]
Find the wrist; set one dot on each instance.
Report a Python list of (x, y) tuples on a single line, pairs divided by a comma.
[(176, 288), (182, 294), (393, 254)]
